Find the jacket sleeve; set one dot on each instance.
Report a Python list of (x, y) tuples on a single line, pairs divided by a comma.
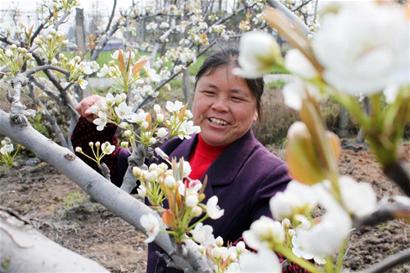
[(86, 132)]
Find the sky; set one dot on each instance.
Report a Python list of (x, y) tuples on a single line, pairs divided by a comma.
[(30, 5)]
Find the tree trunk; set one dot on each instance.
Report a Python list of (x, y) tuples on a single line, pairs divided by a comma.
[(343, 122), (24, 249), (79, 30), (186, 85), (360, 135)]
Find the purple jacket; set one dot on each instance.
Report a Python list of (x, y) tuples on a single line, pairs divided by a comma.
[(244, 177)]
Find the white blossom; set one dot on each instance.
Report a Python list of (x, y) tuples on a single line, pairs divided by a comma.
[(83, 83), (101, 121), (325, 238), (301, 253), (263, 231), (191, 200), (364, 47), (142, 191), (162, 132), (258, 53), (265, 261), (187, 128), (296, 91), (212, 208), (299, 65), (295, 196), (359, 198), (6, 149), (169, 181), (107, 148), (203, 234), (151, 225)]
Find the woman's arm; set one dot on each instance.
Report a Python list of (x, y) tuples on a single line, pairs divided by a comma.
[(86, 132)]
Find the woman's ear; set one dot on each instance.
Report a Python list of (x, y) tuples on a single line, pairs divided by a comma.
[(255, 116)]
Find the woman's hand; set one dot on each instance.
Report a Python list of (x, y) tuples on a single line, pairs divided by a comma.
[(83, 107)]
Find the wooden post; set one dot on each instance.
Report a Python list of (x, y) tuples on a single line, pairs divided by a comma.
[(79, 30)]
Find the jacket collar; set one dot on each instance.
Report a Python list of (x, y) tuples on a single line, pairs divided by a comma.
[(224, 169)]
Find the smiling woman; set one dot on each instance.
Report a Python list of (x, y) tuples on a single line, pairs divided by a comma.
[(224, 105), (242, 173)]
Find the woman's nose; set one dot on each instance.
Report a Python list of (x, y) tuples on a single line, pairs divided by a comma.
[(220, 105)]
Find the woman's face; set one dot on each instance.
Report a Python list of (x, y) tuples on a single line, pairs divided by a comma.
[(223, 106)]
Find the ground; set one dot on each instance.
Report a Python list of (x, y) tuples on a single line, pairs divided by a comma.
[(62, 212)]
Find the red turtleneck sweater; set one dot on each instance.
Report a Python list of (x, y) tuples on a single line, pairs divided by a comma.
[(202, 157)]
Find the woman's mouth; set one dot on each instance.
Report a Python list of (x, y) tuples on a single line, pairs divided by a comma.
[(217, 121)]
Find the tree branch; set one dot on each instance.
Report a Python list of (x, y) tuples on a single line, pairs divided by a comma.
[(24, 248), (296, 20), (51, 118), (111, 16), (399, 172), (390, 262), (385, 213)]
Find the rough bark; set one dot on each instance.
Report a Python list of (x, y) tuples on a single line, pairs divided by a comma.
[(24, 249), (79, 30)]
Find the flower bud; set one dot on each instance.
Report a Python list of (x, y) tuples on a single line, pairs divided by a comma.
[(303, 162), (152, 140), (219, 241), (259, 52), (168, 218), (127, 133), (160, 118), (169, 181), (191, 200), (124, 144), (240, 247), (196, 211), (136, 171)]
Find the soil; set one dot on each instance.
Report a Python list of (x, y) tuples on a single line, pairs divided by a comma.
[(61, 211)]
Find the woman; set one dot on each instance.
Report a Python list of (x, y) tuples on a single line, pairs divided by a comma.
[(241, 172)]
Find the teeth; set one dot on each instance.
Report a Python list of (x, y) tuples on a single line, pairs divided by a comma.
[(218, 121)]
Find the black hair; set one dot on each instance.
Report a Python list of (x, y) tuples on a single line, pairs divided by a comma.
[(226, 57)]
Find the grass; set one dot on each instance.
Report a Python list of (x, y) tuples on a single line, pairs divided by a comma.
[(103, 58), (74, 198)]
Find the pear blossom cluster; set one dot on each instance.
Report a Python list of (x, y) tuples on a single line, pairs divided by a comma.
[(295, 229), (98, 151), (12, 59), (125, 68), (77, 68), (185, 197), (7, 152), (49, 44), (141, 126), (224, 257)]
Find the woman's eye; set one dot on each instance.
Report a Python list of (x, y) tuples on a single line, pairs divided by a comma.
[(237, 99), (208, 93)]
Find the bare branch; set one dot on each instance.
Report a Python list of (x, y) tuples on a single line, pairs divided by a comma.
[(296, 20), (51, 118), (385, 213), (46, 67), (399, 172), (25, 248), (111, 16)]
